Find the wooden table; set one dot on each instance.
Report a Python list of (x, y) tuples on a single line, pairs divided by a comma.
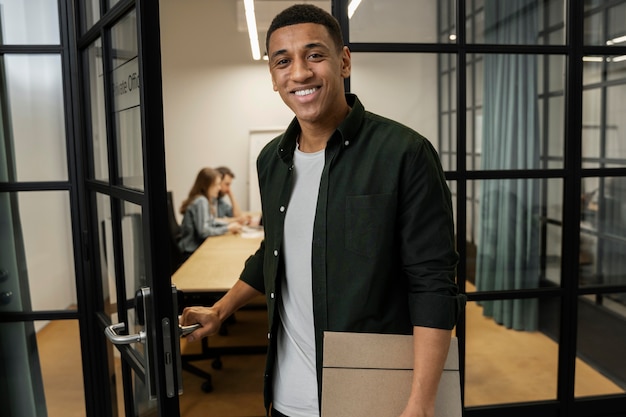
[(216, 265)]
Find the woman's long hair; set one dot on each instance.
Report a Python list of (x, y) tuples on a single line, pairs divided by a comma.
[(205, 178)]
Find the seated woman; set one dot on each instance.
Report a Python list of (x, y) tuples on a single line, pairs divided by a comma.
[(199, 213)]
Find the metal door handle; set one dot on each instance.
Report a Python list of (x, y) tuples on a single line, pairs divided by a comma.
[(114, 337), (185, 330)]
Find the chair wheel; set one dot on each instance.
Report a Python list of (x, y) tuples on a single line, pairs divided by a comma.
[(207, 386), (217, 363)]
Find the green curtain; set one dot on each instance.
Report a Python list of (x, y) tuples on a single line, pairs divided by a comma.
[(508, 247)]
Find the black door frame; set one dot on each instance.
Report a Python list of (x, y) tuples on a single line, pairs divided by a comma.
[(152, 199)]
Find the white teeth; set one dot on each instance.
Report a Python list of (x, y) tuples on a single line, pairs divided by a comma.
[(305, 92)]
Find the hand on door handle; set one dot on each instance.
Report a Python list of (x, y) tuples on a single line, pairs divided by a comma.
[(185, 330)]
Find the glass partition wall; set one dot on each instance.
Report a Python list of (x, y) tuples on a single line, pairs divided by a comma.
[(37, 265), (525, 102)]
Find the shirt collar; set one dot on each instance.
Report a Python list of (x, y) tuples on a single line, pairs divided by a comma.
[(346, 131)]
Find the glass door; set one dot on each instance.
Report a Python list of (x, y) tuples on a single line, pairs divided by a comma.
[(135, 304)]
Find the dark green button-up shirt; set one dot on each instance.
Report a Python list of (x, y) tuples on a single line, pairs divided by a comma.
[(383, 255)]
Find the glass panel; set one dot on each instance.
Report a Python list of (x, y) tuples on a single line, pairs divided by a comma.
[(91, 13), (500, 361), (616, 124), (509, 218), (143, 406), (127, 114), (402, 21), (511, 132), (601, 345), (132, 237), (411, 76), (113, 3), (603, 231), (552, 118), (61, 367), (605, 23), (517, 22), (591, 128), (20, 373), (604, 126), (32, 22), (475, 22), (37, 255), (36, 125), (107, 256), (99, 141)]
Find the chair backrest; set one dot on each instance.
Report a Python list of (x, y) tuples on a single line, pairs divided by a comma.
[(176, 256), (172, 222)]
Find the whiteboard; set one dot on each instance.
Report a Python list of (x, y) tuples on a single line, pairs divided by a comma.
[(258, 139)]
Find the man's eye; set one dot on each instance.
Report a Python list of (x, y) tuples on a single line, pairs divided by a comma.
[(282, 62)]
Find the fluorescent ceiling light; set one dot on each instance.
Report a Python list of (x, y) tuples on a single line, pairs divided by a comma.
[(352, 7), (619, 58), (616, 40), (593, 59), (252, 31)]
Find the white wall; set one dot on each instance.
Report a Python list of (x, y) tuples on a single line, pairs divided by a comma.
[(214, 93)]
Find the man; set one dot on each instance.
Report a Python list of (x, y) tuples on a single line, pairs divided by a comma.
[(358, 227), (228, 211)]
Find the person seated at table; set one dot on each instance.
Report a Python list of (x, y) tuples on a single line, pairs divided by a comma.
[(227, 207), (200, 213)]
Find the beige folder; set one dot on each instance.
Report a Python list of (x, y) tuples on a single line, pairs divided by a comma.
[(370, 375)]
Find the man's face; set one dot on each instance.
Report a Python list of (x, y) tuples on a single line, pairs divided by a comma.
[(225, 187), (308, 72)]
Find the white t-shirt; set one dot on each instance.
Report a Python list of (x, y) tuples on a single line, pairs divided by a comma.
[(295, 375)]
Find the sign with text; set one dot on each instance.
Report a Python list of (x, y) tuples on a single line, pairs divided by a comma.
[(126, 85)]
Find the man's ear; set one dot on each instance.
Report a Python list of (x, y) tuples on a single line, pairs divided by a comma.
[(346, 62)]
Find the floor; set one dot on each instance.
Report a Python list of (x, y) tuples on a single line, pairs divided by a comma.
[(502, 366)]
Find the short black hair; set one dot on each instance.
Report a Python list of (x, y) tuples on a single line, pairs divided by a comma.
[(306, 13)]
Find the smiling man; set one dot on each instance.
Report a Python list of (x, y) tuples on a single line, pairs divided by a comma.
[(359, 233)]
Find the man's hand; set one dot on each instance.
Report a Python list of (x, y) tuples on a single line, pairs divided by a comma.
[(207, 317)]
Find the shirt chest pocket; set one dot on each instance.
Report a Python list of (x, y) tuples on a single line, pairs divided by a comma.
[(369, 220)]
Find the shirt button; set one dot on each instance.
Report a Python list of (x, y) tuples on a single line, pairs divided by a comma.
[(282, 209), (346, 143), (275, 252), (271, 295), (269, 335)]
